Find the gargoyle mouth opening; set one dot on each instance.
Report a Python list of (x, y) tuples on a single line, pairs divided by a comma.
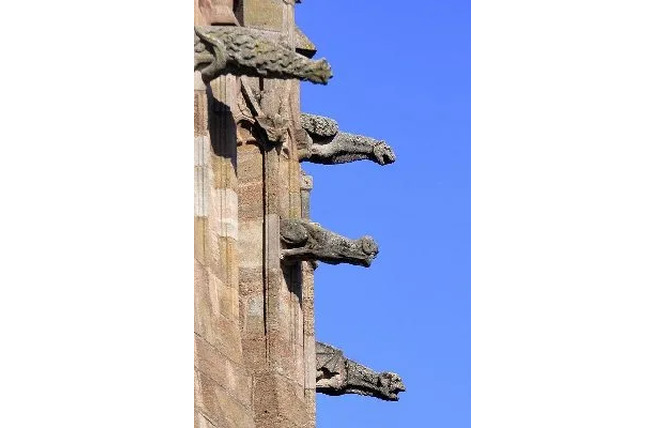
[(366, 262), (392, 396)]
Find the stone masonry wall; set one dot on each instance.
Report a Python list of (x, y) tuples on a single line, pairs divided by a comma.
[(249, 327)]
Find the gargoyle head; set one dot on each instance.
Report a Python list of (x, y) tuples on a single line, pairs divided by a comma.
[(383, 154), (369, 248), (390, 385), (359, 252)]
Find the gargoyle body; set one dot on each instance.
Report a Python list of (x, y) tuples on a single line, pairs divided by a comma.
[(326, 145), (243, 51), (338, 375), (308, 241)]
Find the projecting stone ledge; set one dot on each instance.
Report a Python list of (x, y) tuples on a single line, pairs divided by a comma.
[(338, 375), (324, 144), (247, 52), (307, 241)]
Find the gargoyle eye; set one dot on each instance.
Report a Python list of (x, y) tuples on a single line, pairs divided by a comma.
[(369, 247)]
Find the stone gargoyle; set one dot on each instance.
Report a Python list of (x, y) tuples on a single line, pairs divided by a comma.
[(323, 143), (338, 375), (243, 51), (307, 241)]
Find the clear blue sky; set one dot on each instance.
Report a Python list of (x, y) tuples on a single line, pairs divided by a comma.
[(401, 73)]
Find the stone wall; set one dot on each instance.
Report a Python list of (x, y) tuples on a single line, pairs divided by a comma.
[(256, 359), (249, 332)]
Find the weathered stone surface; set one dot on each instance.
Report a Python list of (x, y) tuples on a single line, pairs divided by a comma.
[(217, 405), (246, 52), (278, 402), (338, 375), (214, 12), (304, 45), (256, 361), (265, 128), (305, 240), (223, 371), (264, 14), (319, 126), (306, 185), (327, 146)]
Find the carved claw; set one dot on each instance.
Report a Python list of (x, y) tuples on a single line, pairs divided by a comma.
[(217, 66), (216, 62)]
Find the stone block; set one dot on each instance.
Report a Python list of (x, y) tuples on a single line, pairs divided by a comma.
[(199, 85), (254, 352), (224, 335), (215, 253), (227, 338), (223, 170), (308, 307), (200, 230), (251, 301), (223, 212), (250, 164), (309, 356), (201, 421), (286, 359), (251, 316), (273, 246), (231, 248), (278, 401), (227, 303), (218, 406), (310, 407), (202, 306), (201, 182), (251, 281), (214, 12), (290, 399), (250, 244), (264, 14), (250, 200), (200, 113), (233, 377)]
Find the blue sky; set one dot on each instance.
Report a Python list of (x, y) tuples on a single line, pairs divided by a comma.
[(401, 73)]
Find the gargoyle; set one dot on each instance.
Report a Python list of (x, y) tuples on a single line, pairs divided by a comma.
[(338, 375), (243, 51), (324, 144), (307, 241)]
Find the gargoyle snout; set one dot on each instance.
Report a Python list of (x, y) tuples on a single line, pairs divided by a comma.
[(369, 246), (369, 249), (384, 154), (393, 384)]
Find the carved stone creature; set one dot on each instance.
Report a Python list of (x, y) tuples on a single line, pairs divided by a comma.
[(269, 128), (307, 241), (242, 51), (326, 145), (338, 375)]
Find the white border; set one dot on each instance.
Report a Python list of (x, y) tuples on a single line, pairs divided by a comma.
[(568, 213), (567, 233), (96, 302)]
